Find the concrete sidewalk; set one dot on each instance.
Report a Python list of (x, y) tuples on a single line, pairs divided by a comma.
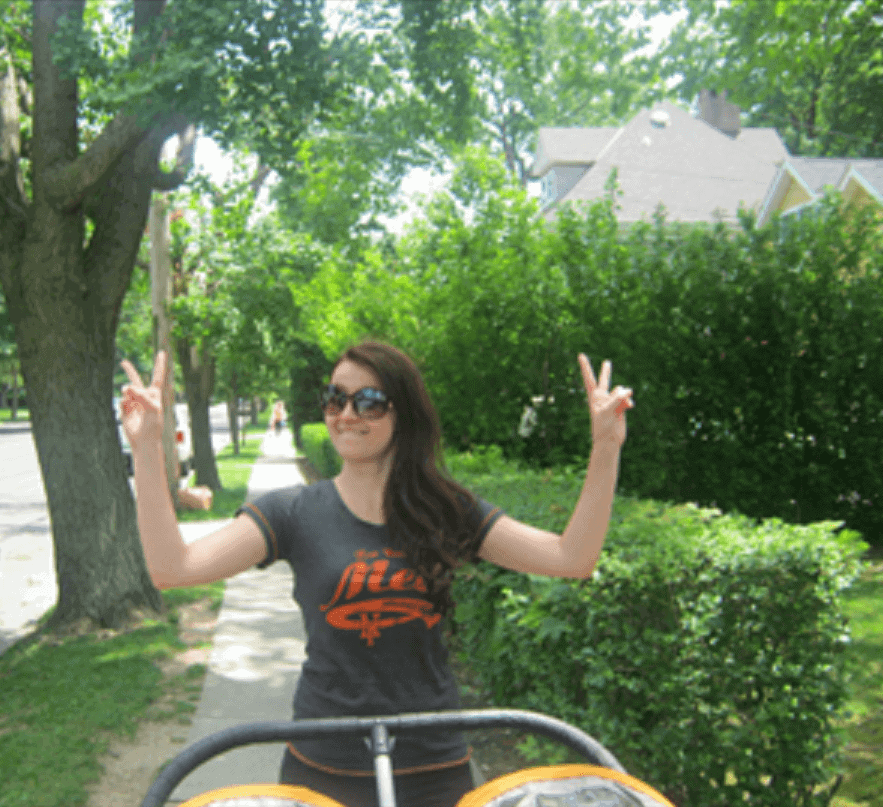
[(259, 647)]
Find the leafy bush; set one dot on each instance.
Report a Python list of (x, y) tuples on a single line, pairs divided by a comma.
[(480, 460), (706, 653), (756, 354), (318, 449)]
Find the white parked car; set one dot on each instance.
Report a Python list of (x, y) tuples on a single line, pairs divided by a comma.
[(183, 439)]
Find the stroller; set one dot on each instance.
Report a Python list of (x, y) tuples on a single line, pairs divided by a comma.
[(601, 783)]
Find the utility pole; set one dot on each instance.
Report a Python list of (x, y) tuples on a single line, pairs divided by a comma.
[(161, 298)]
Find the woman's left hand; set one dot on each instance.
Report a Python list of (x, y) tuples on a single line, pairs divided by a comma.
[(608, 407)]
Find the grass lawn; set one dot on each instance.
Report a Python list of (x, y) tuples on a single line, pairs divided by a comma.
[(6, 415), (863, 768), (63, 698)]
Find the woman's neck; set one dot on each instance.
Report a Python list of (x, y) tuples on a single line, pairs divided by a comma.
[(362, 488)]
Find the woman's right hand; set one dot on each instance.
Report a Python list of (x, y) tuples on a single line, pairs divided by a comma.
[(141, 407)]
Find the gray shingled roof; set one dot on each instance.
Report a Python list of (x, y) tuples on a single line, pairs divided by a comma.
[(695, 171), (872, 172), (820, 172), (557, 145), (764, 143)]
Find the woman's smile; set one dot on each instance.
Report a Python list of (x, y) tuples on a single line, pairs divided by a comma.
[(358, 439)]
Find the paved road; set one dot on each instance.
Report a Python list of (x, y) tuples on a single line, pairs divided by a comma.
[(27, 561), (27, 573)]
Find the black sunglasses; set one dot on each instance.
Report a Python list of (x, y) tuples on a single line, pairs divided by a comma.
[(368, 403)]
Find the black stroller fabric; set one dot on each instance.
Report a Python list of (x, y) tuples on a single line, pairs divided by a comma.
[(565, 786)]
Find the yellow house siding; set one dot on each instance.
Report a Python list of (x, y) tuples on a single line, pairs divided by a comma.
[(796, 195), (855, 195)]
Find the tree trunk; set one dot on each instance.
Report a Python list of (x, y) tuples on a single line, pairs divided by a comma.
[(67, 356), (198, 370), (161, 297), (233, 424), (64, 286), (14, 408), (233, 414), (64, 294)]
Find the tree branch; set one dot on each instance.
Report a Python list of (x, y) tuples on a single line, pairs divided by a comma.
[(260, 176), (55, 95), (169, 180), (67, 183)]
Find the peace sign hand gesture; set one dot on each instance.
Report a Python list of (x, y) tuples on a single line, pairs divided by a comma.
[(142, 408), (607, 406)]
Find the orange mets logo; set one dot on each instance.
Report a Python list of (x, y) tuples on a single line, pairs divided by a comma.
[(369, 617)]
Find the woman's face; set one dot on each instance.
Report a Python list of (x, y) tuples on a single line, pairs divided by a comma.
[(359, 439)]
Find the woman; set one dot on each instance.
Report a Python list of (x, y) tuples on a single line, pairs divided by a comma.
[(373, 552)]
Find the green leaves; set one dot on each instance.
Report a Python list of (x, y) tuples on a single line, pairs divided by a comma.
[(806, 68), (706, 652), (556, 64), (758, 350)]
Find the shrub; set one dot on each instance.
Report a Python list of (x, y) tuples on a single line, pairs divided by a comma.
[(756, 354), (706, 652), (318, 449)]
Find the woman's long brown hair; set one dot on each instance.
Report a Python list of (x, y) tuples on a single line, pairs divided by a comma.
[(426, 511)]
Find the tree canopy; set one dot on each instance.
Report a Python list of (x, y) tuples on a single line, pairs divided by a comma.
[(540, 63), (89, 93), (811, 69)]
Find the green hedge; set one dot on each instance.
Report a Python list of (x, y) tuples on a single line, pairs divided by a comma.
[(756, 354), (706, 653), (317, 447)]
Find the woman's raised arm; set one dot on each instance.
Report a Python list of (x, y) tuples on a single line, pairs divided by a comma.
[(575, 552), (171, 562)]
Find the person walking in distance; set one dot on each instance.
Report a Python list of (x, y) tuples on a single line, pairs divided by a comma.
[(278, 416), (373, 552)]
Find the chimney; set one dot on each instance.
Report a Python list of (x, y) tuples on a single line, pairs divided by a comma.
[(716, 111)]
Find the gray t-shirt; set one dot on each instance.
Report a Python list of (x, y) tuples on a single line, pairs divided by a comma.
[(374, 641)]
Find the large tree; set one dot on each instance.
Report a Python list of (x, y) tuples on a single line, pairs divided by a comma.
[(87, 101), (408, 99), (809, 68), (75, 185), (229, 302)]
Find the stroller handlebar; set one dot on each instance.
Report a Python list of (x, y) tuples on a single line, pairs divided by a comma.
[(282, 731)]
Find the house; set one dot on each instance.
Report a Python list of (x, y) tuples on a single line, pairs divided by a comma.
[(802, 181), (698, 171)]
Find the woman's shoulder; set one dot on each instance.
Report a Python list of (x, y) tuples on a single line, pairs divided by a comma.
[(293, 497)]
